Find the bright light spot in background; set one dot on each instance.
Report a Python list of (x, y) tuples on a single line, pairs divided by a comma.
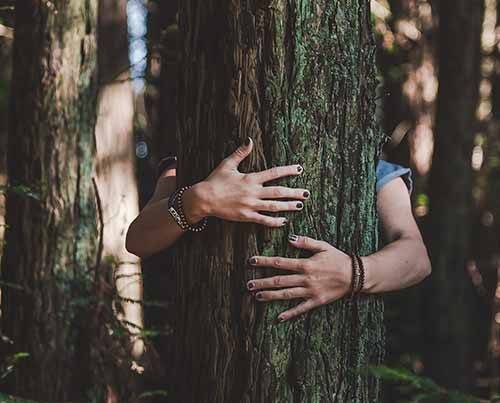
[(477, 158), (137, 28)]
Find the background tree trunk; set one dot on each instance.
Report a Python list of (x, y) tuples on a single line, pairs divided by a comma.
[(115, 159), (449, 334), (52, 239), (299, 78)]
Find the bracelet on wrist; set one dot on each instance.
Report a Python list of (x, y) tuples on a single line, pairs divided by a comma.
[(358, 275), (176, 210)]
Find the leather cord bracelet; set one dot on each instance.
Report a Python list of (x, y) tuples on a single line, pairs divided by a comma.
[(176, 210), (358, 275)]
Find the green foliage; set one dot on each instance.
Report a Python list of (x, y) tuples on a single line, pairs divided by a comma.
[(10, 363), (22, 190), (153, 393), (12, 399), (419, 389)]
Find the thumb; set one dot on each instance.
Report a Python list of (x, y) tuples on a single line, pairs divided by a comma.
[(240, 154)]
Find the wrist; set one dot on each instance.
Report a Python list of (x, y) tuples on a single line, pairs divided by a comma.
[(369, 285), (196, 203)]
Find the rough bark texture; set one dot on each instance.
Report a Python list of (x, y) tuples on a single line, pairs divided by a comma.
[(52, 238), (449, 335), (299, 78)]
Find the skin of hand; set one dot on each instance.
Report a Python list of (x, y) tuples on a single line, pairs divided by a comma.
[(326, 275), (235, 196), (226, 193)]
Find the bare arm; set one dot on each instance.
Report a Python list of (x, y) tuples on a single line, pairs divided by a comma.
[(226, 193), (403, 262), (154, 228), (326, 275)]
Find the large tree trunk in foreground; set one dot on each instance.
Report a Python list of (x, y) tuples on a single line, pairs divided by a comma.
[(449, 334), (299, 78), (52, 237)]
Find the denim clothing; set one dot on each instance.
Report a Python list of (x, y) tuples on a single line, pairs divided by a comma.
[(387, 171)]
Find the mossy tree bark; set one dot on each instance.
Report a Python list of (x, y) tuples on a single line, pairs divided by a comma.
[(52, 241), (299, 78), (449, 336)]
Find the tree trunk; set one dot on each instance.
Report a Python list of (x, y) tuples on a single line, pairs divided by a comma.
[(299, 78), (449, 335), (52, 238), (116, 182), (115, 158)]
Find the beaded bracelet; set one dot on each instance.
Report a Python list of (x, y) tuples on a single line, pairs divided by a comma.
[(176, 210), (358, 275), (361, 278)]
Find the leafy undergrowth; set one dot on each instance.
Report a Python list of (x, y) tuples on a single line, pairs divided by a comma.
[(12, 399)]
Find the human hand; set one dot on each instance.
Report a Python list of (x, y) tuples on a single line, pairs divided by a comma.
[(236, 196), (318, 280)]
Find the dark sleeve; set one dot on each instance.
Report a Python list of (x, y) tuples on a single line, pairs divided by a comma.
[(165, 163), (387, 171)]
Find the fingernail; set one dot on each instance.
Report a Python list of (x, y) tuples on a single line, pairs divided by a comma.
[(258, 295), (285, 221), (293, 237), (300, 205), (300, 169), (250, 285), (306, 194), (252, 260), (281, 319), (247, 141)]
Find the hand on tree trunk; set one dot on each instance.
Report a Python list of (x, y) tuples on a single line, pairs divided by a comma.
[(318, 280), (235, 196)]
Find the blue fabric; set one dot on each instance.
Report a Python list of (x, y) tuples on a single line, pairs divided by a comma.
[(387, 171)]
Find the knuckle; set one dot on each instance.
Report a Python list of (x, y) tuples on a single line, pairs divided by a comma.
[(274, 171), (245, 214), (322, 300), (273, 207), (277, 281), (278, 192), (287, 294), (277, 262), (240, 152), (307, 268)]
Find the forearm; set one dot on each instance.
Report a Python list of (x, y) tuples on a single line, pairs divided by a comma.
[(154, 229), (402, 263)]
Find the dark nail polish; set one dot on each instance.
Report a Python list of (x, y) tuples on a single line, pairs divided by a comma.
[(293, 237), (300, 205), (252, 260), (250, 286), (247, 141), (258, 295), (281, 320), (300, 169), (306, 194)]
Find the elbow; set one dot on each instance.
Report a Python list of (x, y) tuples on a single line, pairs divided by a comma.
[(131, 243), (425, 267)]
